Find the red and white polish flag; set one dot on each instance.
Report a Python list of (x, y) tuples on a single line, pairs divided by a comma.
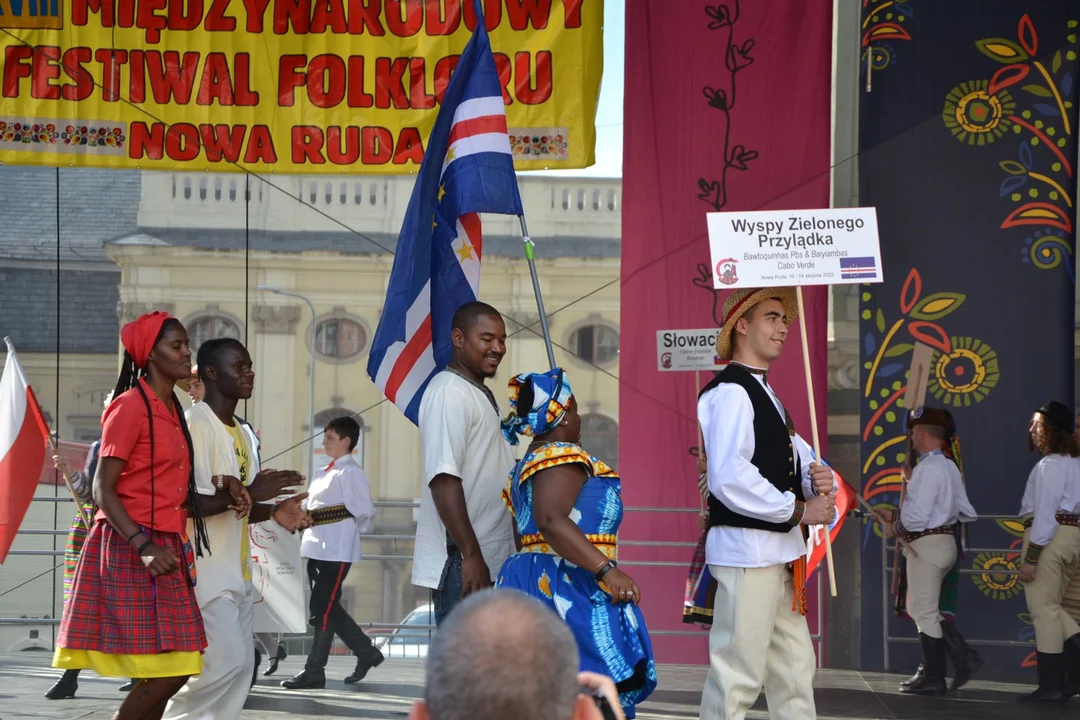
[(24, 435)]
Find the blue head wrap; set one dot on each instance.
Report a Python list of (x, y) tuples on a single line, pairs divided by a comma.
[(551, 398)]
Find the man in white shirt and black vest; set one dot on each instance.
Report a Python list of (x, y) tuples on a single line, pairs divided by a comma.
[(934, 508), (763, 485), (1050, 509)]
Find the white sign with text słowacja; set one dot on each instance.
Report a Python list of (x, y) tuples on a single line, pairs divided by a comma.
[(836, 246), (679, 350)]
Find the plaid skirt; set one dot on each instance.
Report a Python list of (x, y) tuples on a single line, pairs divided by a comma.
[(76, 539), (700, 588), (117, 607)]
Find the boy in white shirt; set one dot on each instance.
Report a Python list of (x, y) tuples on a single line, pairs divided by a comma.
[(339, 502)]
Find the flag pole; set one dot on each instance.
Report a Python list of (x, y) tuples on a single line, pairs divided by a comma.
[(67, 481), (530, 256)]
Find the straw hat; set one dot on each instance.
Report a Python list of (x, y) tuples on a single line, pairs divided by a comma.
[(740, 301)]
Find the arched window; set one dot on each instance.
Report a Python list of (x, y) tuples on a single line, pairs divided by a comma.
[(340, 338), (598, 344), (210, 327), (600, 437)]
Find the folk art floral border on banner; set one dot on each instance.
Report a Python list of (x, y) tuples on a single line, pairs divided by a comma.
[(974, 178)]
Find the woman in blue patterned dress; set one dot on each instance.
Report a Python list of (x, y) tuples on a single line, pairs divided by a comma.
[(567, 508)]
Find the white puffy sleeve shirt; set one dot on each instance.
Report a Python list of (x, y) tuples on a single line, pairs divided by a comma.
[(1052, 487), (343, 482), (935, 496), (727, 425)]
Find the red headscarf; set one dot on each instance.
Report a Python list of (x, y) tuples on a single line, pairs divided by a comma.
[(138, 337)]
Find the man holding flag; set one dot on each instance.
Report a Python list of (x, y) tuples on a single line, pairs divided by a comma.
[(431, 314)]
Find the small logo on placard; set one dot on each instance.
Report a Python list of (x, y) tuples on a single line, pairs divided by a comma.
[(726, 272), (665, 360)]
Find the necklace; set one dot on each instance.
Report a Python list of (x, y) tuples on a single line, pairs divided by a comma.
[(481, 386)]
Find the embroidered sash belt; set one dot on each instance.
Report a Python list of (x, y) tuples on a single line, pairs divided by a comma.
[(1063, 518), (330, 514), (943, 530), (535, 544)]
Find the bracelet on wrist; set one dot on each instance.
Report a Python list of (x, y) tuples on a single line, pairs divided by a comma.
[(605, 569), (135, 535), (142, 547)]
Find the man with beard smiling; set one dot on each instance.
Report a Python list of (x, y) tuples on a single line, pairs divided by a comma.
[(226, 447), (464, 534)]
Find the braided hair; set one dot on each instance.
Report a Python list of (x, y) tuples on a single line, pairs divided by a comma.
[(130, 374)]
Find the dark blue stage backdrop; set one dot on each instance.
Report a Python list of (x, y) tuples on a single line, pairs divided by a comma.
[(968, 151)]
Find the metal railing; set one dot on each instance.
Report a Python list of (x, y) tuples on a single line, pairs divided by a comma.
[(887, 597)]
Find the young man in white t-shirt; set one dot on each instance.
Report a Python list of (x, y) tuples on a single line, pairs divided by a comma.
[(464, 533)]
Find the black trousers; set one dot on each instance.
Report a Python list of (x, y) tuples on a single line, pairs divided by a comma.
[(328, 617)]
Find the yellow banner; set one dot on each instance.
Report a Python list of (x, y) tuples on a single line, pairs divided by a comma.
[(293, 86)]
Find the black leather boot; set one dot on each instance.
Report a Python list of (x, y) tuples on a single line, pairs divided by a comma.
[(65, 687), (933, 679), (373, 658), (1051, 680), (314, 675), (255, 670), (1072, 666), (965, 660), (914, 678)]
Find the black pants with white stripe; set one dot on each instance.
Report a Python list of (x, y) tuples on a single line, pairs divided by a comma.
[(328, 617)]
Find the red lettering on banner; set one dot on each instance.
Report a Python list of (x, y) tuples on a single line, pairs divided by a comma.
[(389, 83), (347, 154), (125, 13), (364, 17), (150, 21), (222, 141), (45, 67), (217, 21), (329, 13), (377, 145), (182, 142), (171, 79), (81, 9), (357, 97), (307, 142), (296, 13), (572, 11), (290, 77), (522, 13), (215, 83), (111, 62), (502, 64), (442, 16), (409, 147), (244, 95), (185, 14), (528, 92), (326, 81), (137, 76), (444, 68), (418, 96), (15, 67), (260, 147), (407, 23), (256, 9), (492, 14), (74, 60), (146, 141)]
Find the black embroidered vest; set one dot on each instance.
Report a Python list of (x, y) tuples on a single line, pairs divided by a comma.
[(773, 455)]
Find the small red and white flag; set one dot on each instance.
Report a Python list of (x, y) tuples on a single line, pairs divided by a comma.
[(24, 435)]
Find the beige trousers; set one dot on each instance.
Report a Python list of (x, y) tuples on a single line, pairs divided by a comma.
[(936, 557), (757, 641), (1052, 624)]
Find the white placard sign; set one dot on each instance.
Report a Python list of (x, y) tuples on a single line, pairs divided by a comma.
[(278, 578), (678, 350), (783, 248)]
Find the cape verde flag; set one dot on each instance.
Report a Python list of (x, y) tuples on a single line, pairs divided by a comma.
[(467, 169)]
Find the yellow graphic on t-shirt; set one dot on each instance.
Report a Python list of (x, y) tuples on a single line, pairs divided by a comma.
[(243, 459)]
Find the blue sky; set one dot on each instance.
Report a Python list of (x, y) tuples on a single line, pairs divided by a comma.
[(609, 115)]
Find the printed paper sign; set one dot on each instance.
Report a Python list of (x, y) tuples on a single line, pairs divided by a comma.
[(678, 350), (838, 246), (278, 578)]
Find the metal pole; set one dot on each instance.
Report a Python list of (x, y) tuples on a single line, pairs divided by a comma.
[(530, 256)]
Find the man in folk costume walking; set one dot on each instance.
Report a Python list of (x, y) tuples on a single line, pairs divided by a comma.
[(932, 516), (762, 487)]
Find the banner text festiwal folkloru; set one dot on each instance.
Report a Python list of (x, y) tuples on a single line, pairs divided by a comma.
[(294, 86)]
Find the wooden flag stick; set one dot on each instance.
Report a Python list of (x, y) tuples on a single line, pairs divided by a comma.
[(53, 452), (814, 424)]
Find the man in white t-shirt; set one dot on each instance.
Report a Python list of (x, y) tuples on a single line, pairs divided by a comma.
[(464, 533)]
